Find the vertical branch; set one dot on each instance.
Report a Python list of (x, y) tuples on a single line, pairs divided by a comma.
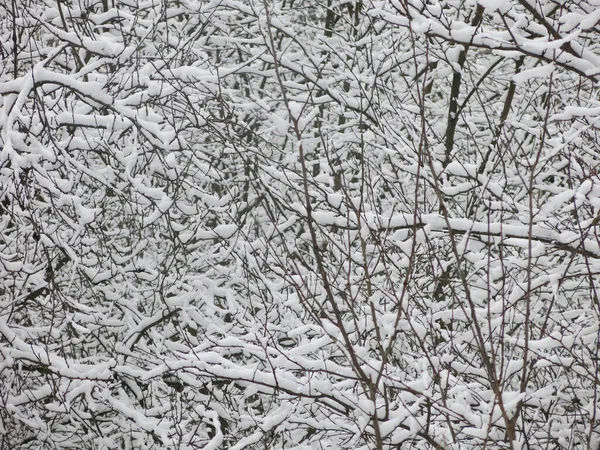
[(15, 40), (453, 108)]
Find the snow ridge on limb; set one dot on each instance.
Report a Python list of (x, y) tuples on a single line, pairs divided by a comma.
[(543, 38)]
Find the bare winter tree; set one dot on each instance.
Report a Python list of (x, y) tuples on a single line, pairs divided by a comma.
[(299, 224)]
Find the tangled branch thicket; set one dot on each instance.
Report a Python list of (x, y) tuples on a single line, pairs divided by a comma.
[(302, 224)]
